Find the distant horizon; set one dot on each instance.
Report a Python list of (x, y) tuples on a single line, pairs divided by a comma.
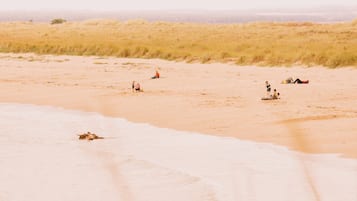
[(321, 14), (135, 5), (280, 8)]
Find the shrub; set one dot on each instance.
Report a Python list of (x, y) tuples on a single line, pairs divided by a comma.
[(354, 22), (58, 21)]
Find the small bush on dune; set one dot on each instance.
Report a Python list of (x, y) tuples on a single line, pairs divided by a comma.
[(140, 51), (225, 55), (298, 24), (342, 59), (206, 59), (125, 52), (354, 22), (58, 21)]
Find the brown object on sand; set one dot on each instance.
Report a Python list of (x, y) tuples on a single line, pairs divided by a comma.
[(89, 136)]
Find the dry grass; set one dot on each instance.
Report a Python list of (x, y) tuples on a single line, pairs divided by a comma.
[(331, 45)]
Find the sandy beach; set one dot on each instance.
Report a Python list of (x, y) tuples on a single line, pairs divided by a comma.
[(200, 133), (216, 99)]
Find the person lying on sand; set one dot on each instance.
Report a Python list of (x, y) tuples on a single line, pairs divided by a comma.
[(290, 80), (89, 136), (298, 81)]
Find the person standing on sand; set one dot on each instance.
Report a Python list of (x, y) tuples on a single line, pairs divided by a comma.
[(268, 88)]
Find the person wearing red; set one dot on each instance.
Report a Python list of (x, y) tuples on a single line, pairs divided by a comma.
[(157, 75)]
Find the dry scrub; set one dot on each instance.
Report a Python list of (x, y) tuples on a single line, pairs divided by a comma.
[(268, 44)]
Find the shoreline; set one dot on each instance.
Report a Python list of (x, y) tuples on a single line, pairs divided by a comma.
[(215, 99), (123, 165)]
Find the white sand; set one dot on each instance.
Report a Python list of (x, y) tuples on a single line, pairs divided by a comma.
[(41, 160)]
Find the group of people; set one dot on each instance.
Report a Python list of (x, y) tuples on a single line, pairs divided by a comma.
[(274, 95), (135, 86), (290, 80)]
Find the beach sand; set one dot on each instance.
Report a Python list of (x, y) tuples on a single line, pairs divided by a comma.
[(216, 99), (200, 133)]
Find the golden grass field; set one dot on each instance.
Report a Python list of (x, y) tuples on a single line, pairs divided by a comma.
[(266, 44)]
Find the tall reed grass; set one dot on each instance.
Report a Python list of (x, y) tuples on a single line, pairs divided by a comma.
[(269, 44)]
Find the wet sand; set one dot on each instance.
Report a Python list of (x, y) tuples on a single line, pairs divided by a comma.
[(215, 99), (42, 159)]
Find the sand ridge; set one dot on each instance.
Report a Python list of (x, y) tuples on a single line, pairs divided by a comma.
[(217, 99)]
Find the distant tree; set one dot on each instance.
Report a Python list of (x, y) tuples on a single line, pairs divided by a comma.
[(58, 21)]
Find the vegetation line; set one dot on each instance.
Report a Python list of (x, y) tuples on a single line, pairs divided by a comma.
[(265, 44)]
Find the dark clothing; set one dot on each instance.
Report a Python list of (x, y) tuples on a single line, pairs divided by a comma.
[(298, 81), (268, 88)]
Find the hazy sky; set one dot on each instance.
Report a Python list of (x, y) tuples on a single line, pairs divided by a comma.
[(164, 4)]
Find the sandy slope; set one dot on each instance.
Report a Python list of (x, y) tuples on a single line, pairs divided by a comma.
[(218, 99)]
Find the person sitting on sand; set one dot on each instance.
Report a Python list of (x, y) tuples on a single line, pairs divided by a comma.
[(268, 88), (132, 86), (275, 95), (137, 87), (156, 76)]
